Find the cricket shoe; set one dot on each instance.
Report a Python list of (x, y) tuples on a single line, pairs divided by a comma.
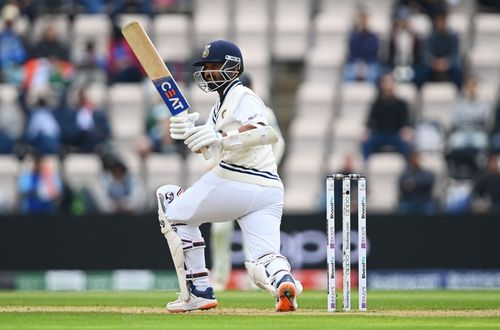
[(198, 300), (287, 292)]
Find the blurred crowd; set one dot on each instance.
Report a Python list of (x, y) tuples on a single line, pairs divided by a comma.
[(54, 115), (58, 117), (471, 142)]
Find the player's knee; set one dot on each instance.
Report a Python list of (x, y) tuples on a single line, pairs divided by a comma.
[(166, 194), (169, 192)]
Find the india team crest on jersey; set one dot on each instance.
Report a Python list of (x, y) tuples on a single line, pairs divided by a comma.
[(206, 51)]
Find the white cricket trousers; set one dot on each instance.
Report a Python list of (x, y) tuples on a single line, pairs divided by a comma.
[(257, 209)]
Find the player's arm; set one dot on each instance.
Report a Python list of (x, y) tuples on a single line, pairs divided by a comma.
[(254, 129), (249, 135)]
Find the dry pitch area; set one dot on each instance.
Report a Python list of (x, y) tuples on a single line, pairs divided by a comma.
[(247, 310)]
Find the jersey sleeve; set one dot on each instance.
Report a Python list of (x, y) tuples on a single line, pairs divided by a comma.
[(250, 110)]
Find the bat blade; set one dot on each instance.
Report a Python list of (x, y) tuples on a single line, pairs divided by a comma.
[(155, 68), (157, 71)]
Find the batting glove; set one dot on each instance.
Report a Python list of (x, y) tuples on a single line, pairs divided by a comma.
[(202, 136), (179, 125)]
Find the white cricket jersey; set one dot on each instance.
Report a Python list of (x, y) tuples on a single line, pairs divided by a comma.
[(241, 106)]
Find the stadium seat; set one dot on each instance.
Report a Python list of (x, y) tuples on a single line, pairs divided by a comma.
[(9, 171), (435, 162), (251, 26), (356, 98), (387, 163), (133, 162), (487, 28), (326, 30), (8, 94), (342, 9), (60, 22), (301, 167), (302, 198), (96, 27), (303, 180), (291, 29), (258, 67), (437, 101), (162, 169), (382, 193), (315, 99), (82, 170), (384, 170), (172, 35), (197, 166), (211, 21), (325, 60), (379, 22), (126, 111), (22, 26), (460, 23), (98, 93), (308, 132), (347, 130), (407, 92), (335, 161)]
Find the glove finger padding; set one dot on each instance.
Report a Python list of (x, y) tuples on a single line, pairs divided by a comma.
[(193, 133), (201, 136), (202, 142), (181, 124), (191, 117)]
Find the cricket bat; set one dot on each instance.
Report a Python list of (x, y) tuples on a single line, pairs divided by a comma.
[(158, 72)]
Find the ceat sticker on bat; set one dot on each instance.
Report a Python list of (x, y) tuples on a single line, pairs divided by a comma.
[(169, 91)]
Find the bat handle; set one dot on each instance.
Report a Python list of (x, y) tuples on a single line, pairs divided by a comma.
[(206, 153)]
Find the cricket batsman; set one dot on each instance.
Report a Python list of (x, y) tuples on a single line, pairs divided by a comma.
[(243, 186), (221, 232)]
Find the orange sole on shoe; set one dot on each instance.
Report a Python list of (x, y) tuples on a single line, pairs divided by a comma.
[(204, 307), (286, 292)]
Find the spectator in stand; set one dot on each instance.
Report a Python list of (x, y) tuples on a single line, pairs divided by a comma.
[(489, 5), (470, 124), (92, 126), (122, 64), (11, 127), (12, 49), (157, 129), (43, 133), (47, 73), (495, 132), (40, 188), (415, 188), (429, 7), (404, 47), (486, 189), (120, 191), (388, 123), (90, 67), (441, 58), (362, 59), (92, 6), (50, 45), (132, 6)]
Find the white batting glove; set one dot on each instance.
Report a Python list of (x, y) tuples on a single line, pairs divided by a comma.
[(202, 136), (179, 125)]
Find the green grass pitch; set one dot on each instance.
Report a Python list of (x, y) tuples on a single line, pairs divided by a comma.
[(248, 310)]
